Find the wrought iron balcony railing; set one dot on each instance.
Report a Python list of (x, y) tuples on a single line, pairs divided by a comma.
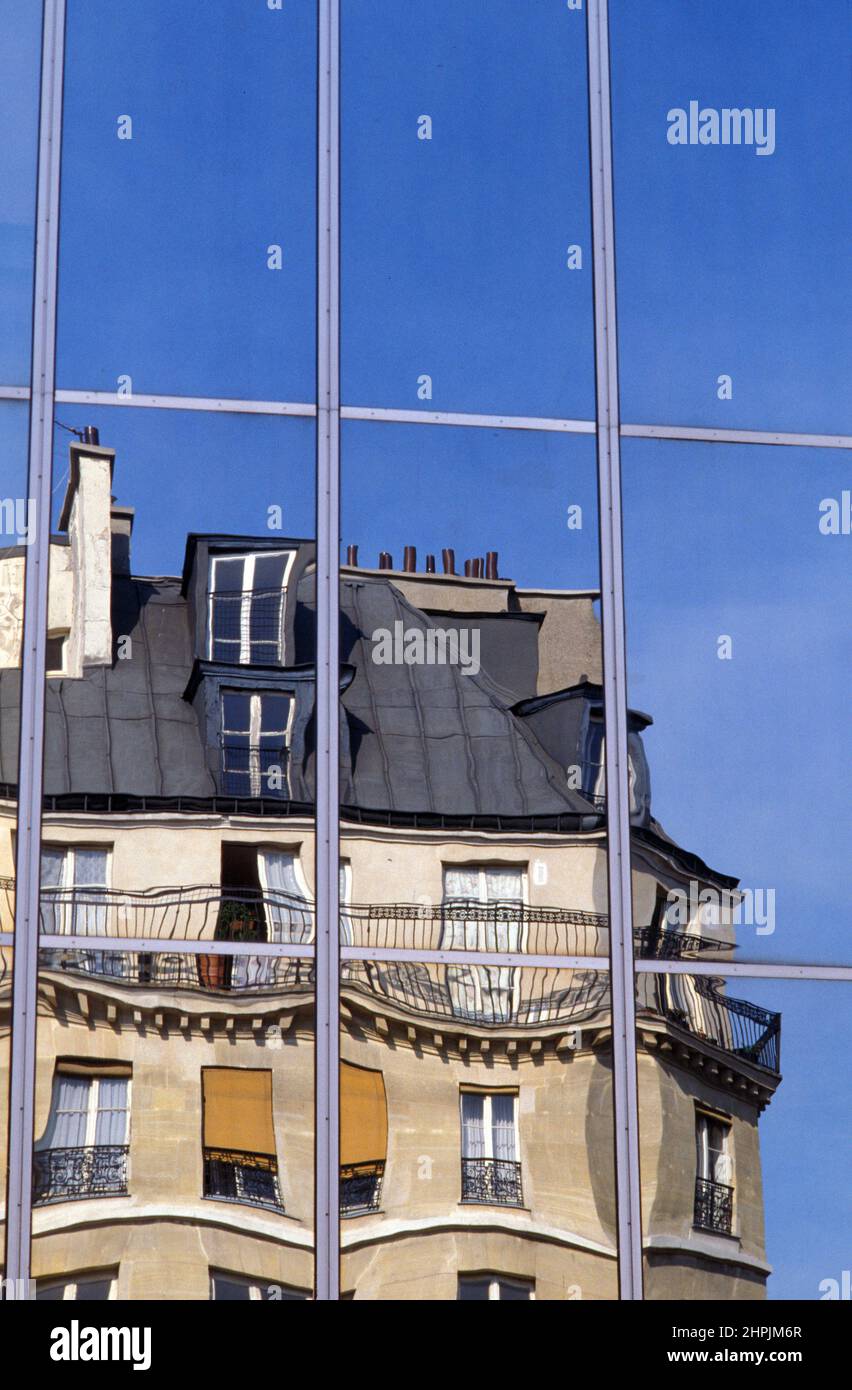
[(697, 1004), (714, 1206), (66, 1175), (491, 1182), (251, 1179), (360, 1187)]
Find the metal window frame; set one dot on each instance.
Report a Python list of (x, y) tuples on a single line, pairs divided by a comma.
[(41, 394)]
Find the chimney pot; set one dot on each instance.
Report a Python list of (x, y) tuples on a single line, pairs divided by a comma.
[(409, 563), (430, 564), (91, 434), (491, 565), (385, 560), (468, 569), (352, 556), (448, 558)]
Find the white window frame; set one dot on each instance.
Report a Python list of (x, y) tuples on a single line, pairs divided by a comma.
[(703, 1121), (255, 1287), (93, 1110), (487, 1125), (255, 698), (68, 881), (496, 1281), (482, 977), (248, 559), (69, 1287)]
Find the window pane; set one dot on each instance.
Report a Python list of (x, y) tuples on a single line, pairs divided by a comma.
[(759, 1207), (20, 43), (732, 215), (198, 137), (737, 593), (439, 1199), (148, 1029), (465, 189), (470, 639)]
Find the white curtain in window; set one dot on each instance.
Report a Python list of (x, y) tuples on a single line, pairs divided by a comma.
[(288, 914), (111, 1121), (473, 1125), (503, 1127), (90, 875), (347, 929), (52, 869), (69, 1113)]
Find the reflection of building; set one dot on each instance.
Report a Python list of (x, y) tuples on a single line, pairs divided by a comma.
[(174, 1090)]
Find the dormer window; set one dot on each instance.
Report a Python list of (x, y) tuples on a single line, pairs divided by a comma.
[(255, 735), (246, 614)]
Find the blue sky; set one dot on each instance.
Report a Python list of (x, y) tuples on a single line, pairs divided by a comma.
[(454, 261)]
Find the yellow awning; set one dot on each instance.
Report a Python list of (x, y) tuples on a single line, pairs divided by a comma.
[(238, 1110), (363, 1115)]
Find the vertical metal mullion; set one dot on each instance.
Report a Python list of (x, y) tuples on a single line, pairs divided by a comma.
[(27, 866), (626, 1108), (327, 1142)]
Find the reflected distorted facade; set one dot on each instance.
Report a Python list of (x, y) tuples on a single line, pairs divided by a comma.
[(174, 1097)]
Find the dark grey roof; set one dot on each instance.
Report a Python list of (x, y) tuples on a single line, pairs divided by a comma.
[(432, 738), (124, 728)]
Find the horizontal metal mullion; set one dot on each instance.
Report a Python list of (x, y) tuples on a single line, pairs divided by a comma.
[(464, 418), (725, 436), (383, 953), (225, 404), (744, 969), (14, 393), (119, 945)]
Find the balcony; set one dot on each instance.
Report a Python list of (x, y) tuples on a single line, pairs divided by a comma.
[(714, 1206), (68, 1175), (481, 995), (250, 1179), (361, 1188), (493, 1182)]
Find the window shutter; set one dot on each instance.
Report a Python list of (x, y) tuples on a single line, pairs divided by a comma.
[(238, 1110), (363, 1116)]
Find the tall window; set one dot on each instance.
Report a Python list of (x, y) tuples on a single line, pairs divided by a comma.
[(714, 1193), (480, 1288), (247, 607), (240, 1162), (84, 1149), (73, 882), (255, 728), (491, 1170), (483, 911)]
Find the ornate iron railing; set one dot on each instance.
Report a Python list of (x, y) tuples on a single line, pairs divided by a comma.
[(714, 1206), (698, 1004), (251, 1179), (491, 1182), (63, 1175), (360, 1187)]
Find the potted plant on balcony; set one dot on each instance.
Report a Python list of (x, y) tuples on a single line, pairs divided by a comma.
[(236, 922)]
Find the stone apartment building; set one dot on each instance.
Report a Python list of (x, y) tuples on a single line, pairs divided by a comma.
[(174, 1148)]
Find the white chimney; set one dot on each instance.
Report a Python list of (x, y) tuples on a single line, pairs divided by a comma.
[(86, 518)]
